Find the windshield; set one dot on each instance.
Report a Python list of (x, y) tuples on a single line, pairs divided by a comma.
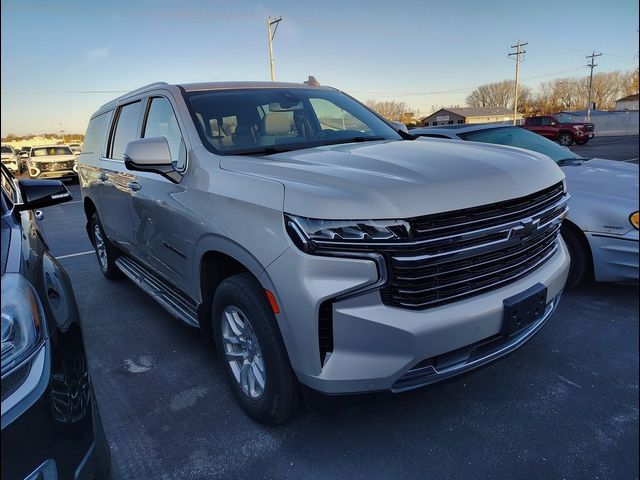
[(6, 150), (47, 151), (519, 137), (269, 120)]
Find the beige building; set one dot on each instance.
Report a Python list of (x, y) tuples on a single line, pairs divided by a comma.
[(630, 102), (452, 116)]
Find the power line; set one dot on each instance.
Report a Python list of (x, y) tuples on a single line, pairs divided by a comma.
[(519, 58)]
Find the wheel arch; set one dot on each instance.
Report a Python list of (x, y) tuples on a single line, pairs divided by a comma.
[(219, 259), (584, 241)]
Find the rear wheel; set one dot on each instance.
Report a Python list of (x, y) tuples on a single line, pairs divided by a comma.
[(252, 351), (580, 255), (565, 139), (105, 251)]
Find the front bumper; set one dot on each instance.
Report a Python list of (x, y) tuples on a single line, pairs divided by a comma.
[(615, 257), (375, 346), (36, 172)]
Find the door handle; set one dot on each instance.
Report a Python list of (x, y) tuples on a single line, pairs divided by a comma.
[(135, 186), (103, 177)]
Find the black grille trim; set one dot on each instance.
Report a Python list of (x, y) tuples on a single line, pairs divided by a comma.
[(325, 330)]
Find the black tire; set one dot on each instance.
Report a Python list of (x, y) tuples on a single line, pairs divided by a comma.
[(581, 261), (565, 139), (279, 399), (108, 265)]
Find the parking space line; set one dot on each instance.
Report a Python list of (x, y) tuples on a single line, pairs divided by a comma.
[(69, 203), (75, 254)]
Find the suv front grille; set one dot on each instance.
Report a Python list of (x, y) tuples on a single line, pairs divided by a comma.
[(467, 252)]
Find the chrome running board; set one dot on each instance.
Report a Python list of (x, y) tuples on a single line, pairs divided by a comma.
[(172, 300)]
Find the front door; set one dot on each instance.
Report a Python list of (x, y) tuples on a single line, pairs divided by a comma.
[(158, 226)]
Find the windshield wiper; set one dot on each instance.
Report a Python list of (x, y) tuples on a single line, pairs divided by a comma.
[(571, 161), (338, 141)]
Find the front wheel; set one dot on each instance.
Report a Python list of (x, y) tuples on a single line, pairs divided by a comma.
[(252, 351), (565, 139)]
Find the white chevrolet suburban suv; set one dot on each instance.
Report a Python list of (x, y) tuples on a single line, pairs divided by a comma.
[(320, 249)]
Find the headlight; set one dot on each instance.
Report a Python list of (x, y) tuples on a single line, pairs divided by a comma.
[(21, 321), (633, 218), (310, 233)]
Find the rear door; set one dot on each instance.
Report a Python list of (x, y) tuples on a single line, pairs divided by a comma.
[(546, 128), (115, 205), (158, 224)]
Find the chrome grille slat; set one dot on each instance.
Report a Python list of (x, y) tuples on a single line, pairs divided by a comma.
[(492, 286), (469, 261), (498, 256)]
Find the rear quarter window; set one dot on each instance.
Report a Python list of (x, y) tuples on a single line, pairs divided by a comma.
[(96, 135)]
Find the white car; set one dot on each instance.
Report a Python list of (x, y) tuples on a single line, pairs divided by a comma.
[(11, 159), (55, 161)]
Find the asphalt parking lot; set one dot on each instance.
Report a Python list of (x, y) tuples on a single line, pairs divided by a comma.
[(614, 148), (563, 406)]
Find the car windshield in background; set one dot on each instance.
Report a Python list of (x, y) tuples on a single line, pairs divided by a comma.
[(270, 120), (49, 151), (6, 150), (521, 138)]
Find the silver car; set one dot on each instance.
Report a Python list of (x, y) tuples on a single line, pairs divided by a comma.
[(601, 230), (319, 249)]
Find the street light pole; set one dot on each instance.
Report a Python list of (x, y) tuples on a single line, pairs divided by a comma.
[(270, 23)]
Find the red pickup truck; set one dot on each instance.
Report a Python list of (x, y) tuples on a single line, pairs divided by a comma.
[(563, 133)]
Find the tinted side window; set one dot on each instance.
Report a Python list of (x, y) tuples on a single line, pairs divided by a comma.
[(162, 122), (95, 136), (534, 122), (126, 129), (546, 121)]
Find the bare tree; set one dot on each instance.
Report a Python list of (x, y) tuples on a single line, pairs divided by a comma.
[(499, 94), (391, 110)]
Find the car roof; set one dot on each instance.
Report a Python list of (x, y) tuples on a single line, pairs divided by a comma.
[(201, 87), (452, 131)]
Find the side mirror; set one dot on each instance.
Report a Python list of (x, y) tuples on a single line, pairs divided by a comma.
[(553, 124), (400, 126), (42, 193), (150, 155)]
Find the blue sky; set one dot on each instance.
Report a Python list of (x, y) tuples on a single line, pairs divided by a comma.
[(426, 53)]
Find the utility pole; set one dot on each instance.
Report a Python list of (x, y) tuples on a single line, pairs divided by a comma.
[(519, 57), (270, 23), (591, 65)]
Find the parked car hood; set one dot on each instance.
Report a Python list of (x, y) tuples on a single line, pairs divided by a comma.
[(603, 195), (610, 178), (398, 179)]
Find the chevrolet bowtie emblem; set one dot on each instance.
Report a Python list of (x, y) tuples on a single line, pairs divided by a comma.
[(527, 227)]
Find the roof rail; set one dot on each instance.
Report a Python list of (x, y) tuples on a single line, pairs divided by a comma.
[(132, 92), (140, 89)]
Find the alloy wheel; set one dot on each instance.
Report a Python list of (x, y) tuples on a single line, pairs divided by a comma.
[(243, 353)]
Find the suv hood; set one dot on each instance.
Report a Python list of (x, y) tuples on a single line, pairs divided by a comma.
[(607, 178), (398, 179)]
